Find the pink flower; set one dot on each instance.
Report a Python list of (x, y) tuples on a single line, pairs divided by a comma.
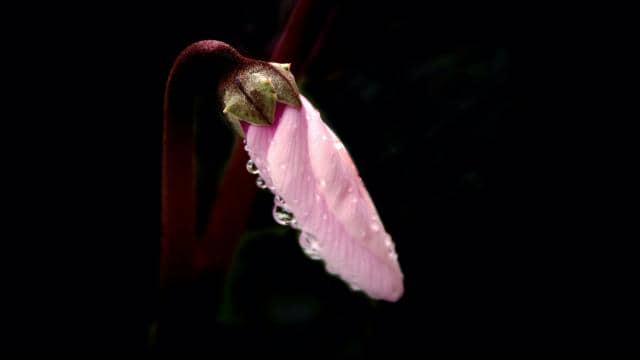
[(318, 191)]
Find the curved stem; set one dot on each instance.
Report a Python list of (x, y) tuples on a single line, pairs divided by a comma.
[(196, 71)]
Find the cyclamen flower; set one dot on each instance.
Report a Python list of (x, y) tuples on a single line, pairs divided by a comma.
[(315, 182), (318, 191)]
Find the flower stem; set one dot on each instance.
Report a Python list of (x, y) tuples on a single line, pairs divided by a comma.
[(286, 48), (195, 71)]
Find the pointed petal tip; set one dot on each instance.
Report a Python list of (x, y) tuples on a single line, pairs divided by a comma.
[(392, 291), (396, 293), (293, 102)]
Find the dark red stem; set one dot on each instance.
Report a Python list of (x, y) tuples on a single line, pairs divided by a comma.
[(289, 41), (196, 71)]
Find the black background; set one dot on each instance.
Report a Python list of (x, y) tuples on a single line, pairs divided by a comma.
[(441, 111)]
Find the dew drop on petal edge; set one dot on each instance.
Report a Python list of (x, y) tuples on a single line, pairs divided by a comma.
[(261, 183), (310, 246), (282, 216), (251, 167)]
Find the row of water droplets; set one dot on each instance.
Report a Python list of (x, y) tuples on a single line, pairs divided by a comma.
[(253, 169), (283, 216), (281, 213)]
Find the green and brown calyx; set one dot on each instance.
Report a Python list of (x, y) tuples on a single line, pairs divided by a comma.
[(250, 93)]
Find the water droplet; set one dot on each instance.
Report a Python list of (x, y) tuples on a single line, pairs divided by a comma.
[(244, 141), (251, 167), (282, 166), (282, 216), (354, 287), (388, 243), (391, 247), (310, 246), (375, 227), (324, 137), (339, 146), (261, 183), (323, 183)]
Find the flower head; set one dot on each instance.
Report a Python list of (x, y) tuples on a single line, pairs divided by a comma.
[(316, 185)]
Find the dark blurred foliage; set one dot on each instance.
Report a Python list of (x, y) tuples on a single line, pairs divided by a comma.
[(437, 116)]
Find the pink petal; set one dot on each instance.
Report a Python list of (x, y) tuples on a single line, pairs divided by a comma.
[(304, 162)]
